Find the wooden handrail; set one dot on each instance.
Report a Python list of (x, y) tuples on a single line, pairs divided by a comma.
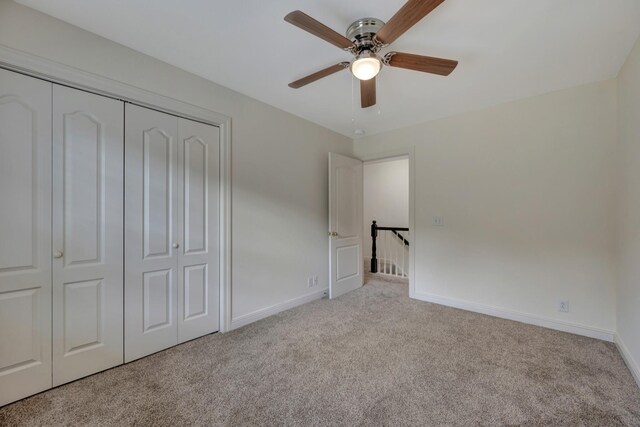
[(392, 228)]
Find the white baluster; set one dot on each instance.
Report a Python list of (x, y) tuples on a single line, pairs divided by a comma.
[(396, 262), (384, 247), (403, 250), (385, 252), (390, 256)]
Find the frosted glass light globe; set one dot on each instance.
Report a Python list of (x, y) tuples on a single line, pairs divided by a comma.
[(366, 68)]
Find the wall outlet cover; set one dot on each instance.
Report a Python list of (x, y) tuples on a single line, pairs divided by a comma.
[(563, 306)]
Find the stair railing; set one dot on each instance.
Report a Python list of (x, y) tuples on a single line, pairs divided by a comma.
[(394, 257)]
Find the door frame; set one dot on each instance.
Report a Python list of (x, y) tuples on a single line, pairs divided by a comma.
[(407, 152), (44, 69)]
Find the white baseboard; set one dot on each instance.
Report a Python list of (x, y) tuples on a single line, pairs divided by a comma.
[(245, 319), (530, 319), (628, 359)]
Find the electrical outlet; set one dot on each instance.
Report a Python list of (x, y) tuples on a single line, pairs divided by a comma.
[(563, 306), (310, 281), (315, 280), (438, 221)]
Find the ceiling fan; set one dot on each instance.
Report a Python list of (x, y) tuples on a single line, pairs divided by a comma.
[(365, 38)]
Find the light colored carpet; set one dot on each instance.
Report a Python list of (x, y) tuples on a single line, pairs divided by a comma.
[(371, 357)]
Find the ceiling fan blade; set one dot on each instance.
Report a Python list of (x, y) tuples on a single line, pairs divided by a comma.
[(318, 75), (368, 92), (318, 29), (405, 18), (426, 64)]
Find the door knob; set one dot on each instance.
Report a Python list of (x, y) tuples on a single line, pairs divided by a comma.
[(176, 245), (333, 234), (57, 254)]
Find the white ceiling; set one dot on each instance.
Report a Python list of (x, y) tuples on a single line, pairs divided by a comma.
[(508, 49)]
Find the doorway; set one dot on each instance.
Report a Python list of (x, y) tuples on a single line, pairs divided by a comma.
[(387, 216)]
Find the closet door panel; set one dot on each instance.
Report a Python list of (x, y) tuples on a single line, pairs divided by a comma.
[(87, 238), (151, 151), (25, 236), (198, 281)]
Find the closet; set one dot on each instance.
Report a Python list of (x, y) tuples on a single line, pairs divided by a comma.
[(171, 282), (87, 233), (25, 236), (109, 232)]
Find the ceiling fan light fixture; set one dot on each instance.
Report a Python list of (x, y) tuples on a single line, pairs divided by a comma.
[(364, 39), (366, 66)]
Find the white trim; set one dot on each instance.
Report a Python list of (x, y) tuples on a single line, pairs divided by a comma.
[(628, 359), (386, 159), (25, 63), (225, 227), (245, 319), (407, 152), (56, 72), (558, 325)]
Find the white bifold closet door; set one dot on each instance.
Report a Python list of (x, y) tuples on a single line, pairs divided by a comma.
[(88, 155), (171, 231), (25, 236), (198, 229)]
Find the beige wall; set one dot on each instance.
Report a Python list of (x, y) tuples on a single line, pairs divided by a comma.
[(628, 307), (279, 161), (527, 194)]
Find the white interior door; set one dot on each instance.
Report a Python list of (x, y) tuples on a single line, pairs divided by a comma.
[(87, 233), (25, 236), (345, 225), (198, 216), (151, 245)]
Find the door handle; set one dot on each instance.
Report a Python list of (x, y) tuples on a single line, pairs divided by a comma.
[(333, 234), (176, 245), (57, 254)]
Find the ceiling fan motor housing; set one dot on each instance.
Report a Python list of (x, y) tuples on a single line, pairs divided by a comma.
[(362, 31)]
